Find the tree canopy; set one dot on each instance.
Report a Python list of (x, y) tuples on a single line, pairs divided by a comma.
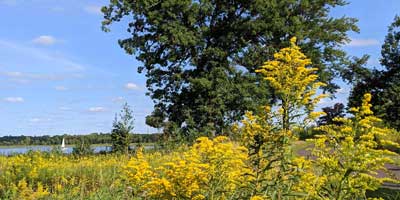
[(383, 84), (200, 57), (331, 113)]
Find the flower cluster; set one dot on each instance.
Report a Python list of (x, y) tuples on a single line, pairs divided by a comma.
[(210, 169), (345, 157), (348, 155), (38, 175), (293, 80)]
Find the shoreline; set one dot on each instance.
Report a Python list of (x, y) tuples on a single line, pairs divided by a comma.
[(69, 145)]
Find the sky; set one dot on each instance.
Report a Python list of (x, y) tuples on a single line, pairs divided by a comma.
[(61, 74)]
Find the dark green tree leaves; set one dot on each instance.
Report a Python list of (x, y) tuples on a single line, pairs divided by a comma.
[(331, 113), (384, 85), (199, 57)]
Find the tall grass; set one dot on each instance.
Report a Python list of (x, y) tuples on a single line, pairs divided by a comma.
[(39, 175)]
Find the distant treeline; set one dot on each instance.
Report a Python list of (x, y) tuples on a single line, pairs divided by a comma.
[(94, 138)]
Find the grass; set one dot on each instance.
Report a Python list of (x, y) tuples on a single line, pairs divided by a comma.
[(385, 193), (301, 145)]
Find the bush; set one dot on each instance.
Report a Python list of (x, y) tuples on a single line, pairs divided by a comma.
[(307, 132), (82, 148)]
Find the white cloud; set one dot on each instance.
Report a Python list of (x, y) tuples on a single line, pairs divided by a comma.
[(131, 86), (57, 60), (37, 120), (97, 109), (64, 108), (93, 9), (20, 81), (22, 77), (13, 74), (14, 99), (60, 88), (45, 40), (362, 42), (118, 99)]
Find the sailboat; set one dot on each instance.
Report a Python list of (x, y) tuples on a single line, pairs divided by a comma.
[(63, 145)]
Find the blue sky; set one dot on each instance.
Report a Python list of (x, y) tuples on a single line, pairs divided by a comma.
[(59, 73)]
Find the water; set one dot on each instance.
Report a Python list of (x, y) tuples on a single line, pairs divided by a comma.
[(46, 148), (24, 149)]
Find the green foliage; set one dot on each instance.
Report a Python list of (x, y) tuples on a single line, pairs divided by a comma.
[(331, 113), (56, 150), (121, 132), (348, 157), (200, 56), (93, 138), (82, 148), (346, 153), (306, 132), (384, 85), (269, 134), (385, 193)]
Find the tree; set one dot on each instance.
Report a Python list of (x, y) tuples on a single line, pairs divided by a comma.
[(121, 131), (200, 57), (331, 113), (384, 85)]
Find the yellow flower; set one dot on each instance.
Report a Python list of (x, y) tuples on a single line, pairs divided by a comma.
[(348, 153), (257, 198), (216, 165)]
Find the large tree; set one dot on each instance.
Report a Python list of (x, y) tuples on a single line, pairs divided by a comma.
[(383, 84), (200, 57)]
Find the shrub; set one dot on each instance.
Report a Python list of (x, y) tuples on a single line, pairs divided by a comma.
[(82, 148)]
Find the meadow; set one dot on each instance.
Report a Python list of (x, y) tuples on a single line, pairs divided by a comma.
[(177, 174), (261, 158), (41, 175)]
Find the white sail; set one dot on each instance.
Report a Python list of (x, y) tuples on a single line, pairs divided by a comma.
[(63, 144)]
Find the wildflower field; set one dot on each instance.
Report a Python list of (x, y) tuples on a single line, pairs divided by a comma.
[(255, 161), (40, 175), (210, 169), (213, 100)]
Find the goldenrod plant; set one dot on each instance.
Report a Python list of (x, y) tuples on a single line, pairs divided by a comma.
[(295, 84), (268, 135), (260, 165), (347, 155), (40, 175), (210, 169)]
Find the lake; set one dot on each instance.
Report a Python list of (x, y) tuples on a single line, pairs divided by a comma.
[(4, 150)]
